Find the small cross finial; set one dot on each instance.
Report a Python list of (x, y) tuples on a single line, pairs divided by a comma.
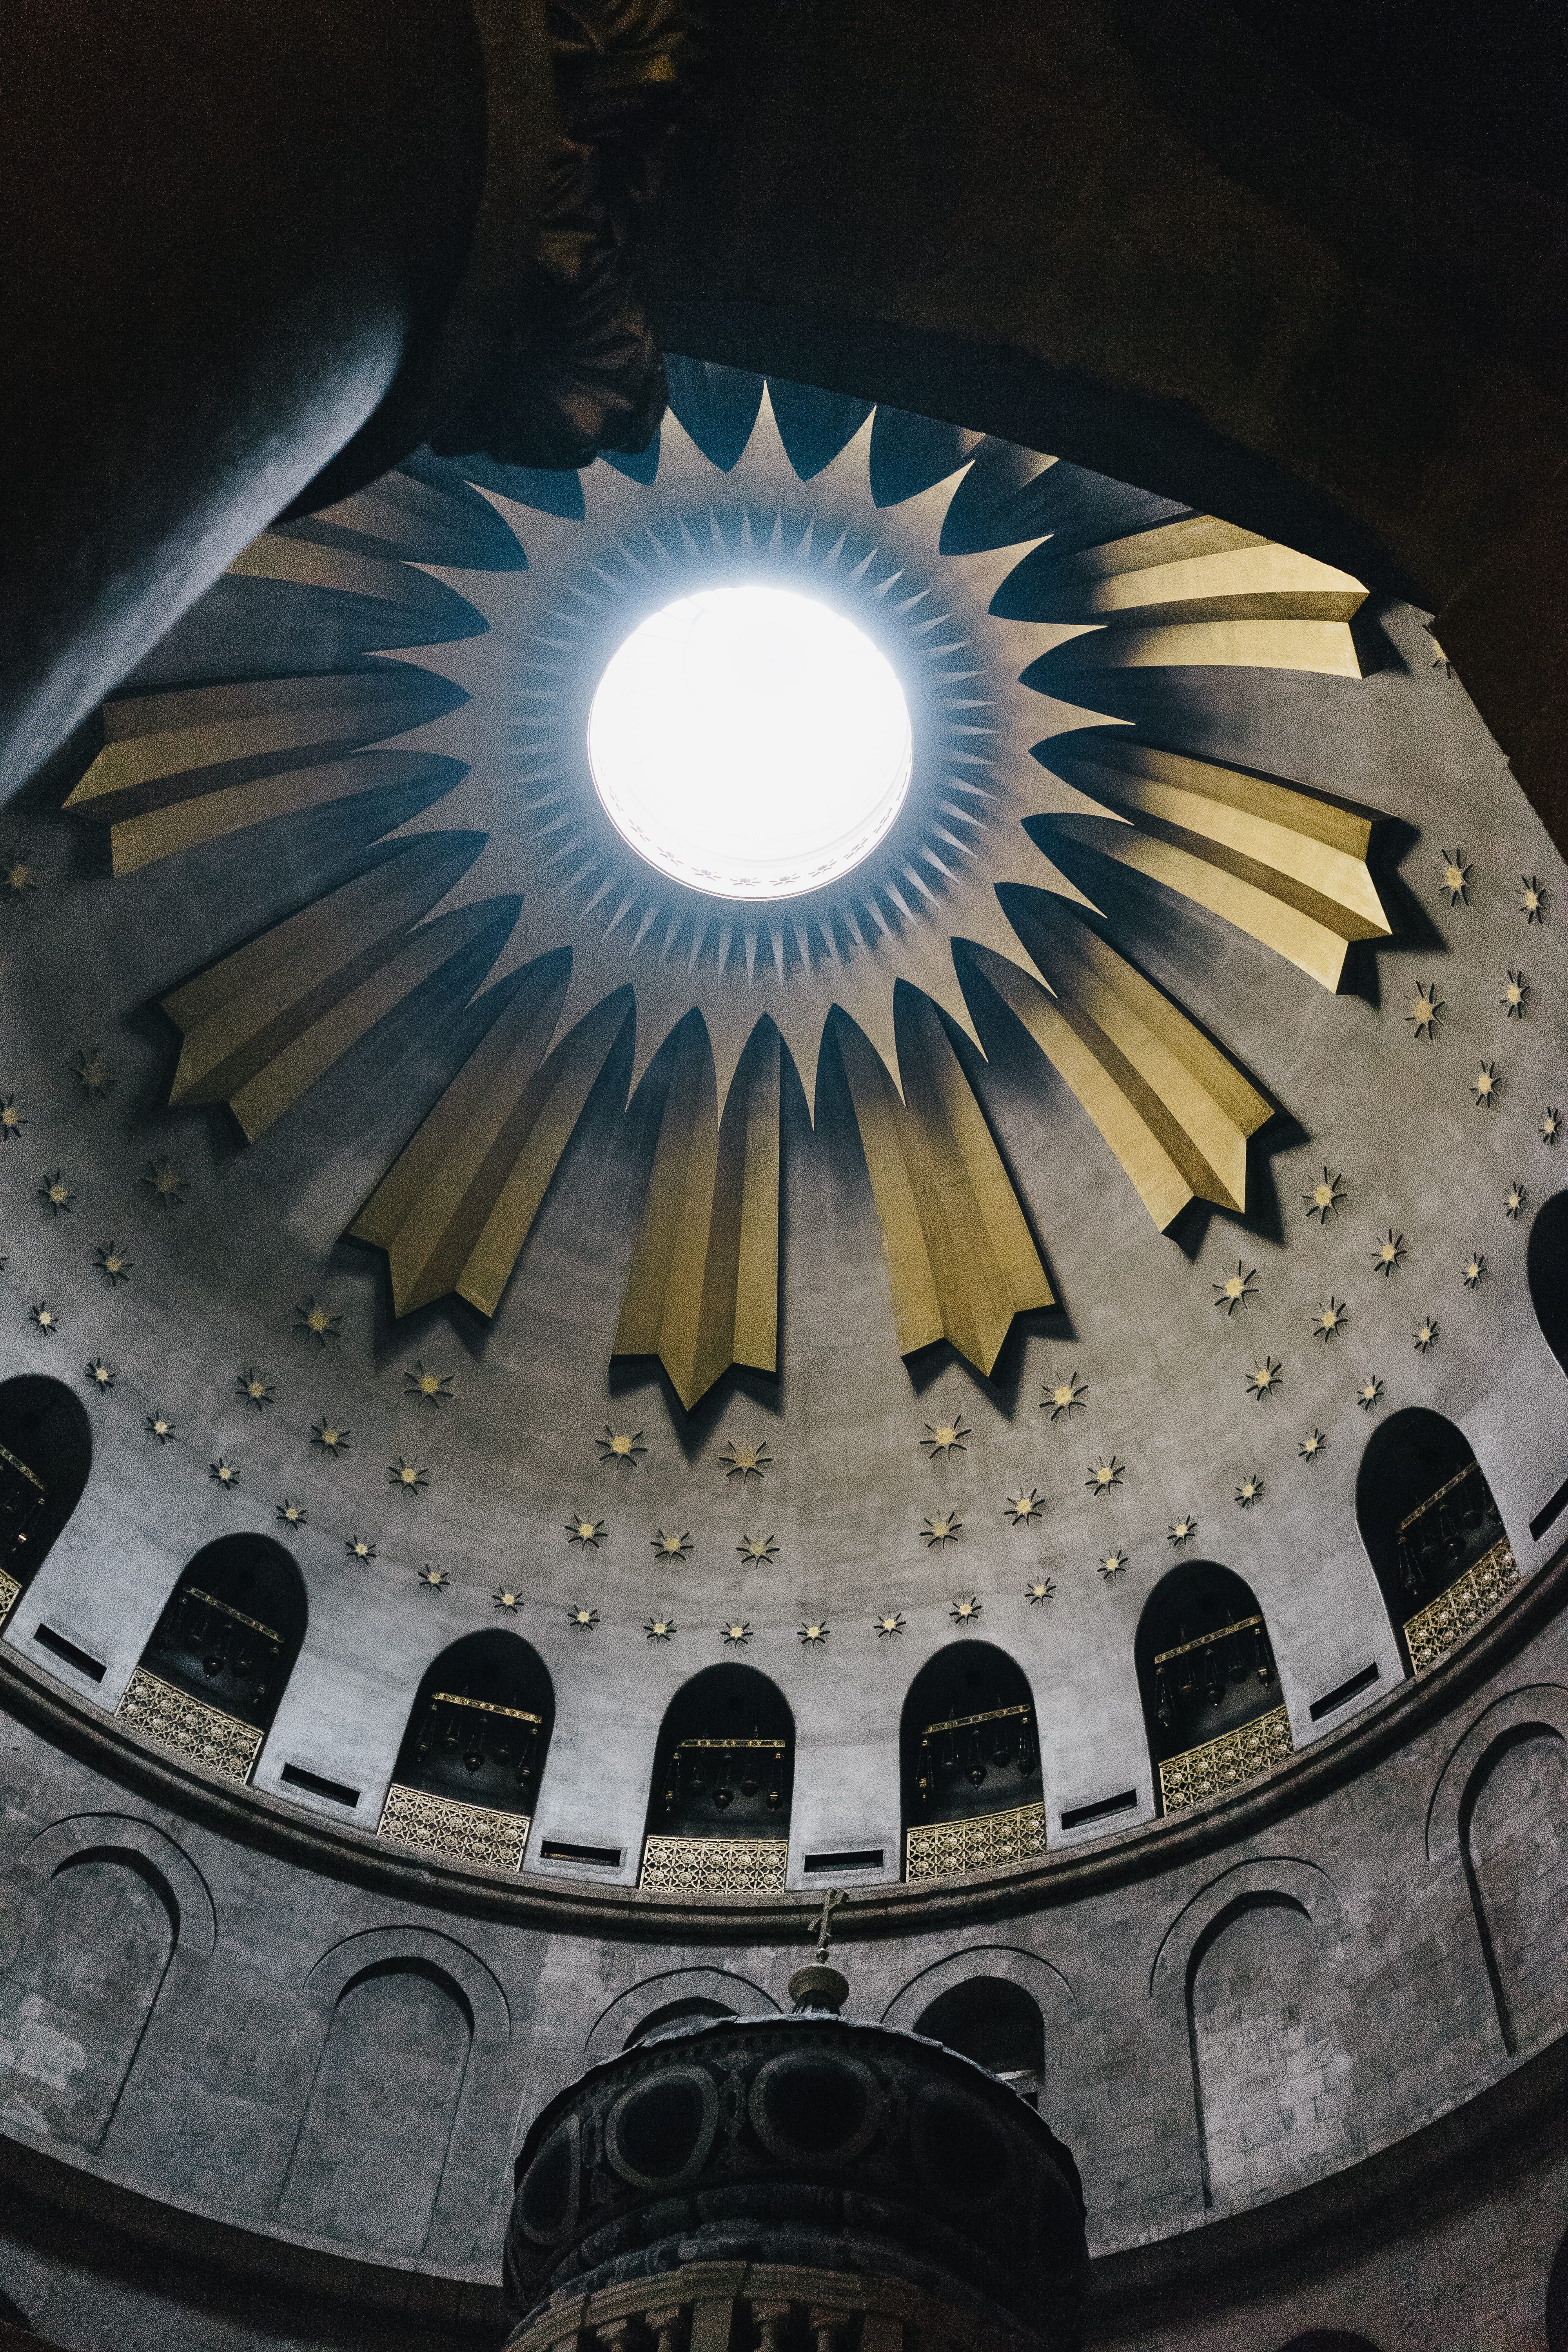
[(830, 1902)]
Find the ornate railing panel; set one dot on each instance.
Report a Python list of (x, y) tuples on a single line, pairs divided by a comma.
[(1224, 1763), (715, 1865), (1433, 1631), (10, 1593), (203, 1733), (445, 1825), (962, 1849)]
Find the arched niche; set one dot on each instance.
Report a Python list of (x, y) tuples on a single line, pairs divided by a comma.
[(695, 2010), (219, 1658), (969, 1756), (717, 1816), (45, 1453), (1207, 1680), (1430, 1525), (1546, 1271), (996, 2022), (467, 1774)]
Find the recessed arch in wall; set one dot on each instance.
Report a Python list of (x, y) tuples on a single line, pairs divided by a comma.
[(971, 1783), (1208, 1684), (995, 2021), (218, 1660), (46, 1458), (718, 1811), (1431, 1528), (467, 1775), (630, 2016), (1546, 1271)]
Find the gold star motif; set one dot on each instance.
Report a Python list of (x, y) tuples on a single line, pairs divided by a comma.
[(1533, 900), (1024, 1506), (1474, 1268), (1550, 1126), (411, 1478), (586, 1534), (941, 1530), (660, 1629), (1454, 878), (1248, 1491), (1515, 991), (672, 1548), (1513, 1199), (1311, 1445), (1390, 1254), (1425, 1335), (327, 1438), (1063, 1395), (1485, 1085), (1235, 1290), (1265, 1378), (46, 1319), (1425, 1006), (93, 1070), (944, 1438), (1103, 1475), (758, 1551), (19, 874), (1325, 1197), (12, 1122), (98, 1373), (293, 1515), (1330, 1320), (737, 1631), (745, 1462), (114, 1267), (582, 1620), (1369, 1394), (433, 1580), (165, 1180), (160, 1426), (256, 1389), (1111, 1564), (616, 1446), (315, 1323), (429, 1388), (812, 1632), (503, 1597), (891, 1621), (1040, 1588), (1183, 1530), (358, 1548), (56, 1195), (224, 1471), (963, 1613)]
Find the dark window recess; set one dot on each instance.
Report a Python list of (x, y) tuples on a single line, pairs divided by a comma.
[(725, 1758), (1343, 1691), (298, 1777), (968, 1744), (1426, 1512), (602, 1857), (479, 1727), (1553, 1510), (232, 1628), (1077, 1815), (45, 1453), (998, 2025), (864, 1858), (1206, 1665), (48, 1639)]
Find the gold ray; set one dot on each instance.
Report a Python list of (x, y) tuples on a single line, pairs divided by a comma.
[(1199, 568), (703, 1292), (1174, 1109), (307, 563), (961, 1261), (1326, 647), (1279, 862), (453, 1211), (267, 1021)]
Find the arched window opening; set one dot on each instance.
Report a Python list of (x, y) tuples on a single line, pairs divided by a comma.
[(465, 1784), (969, 1757), (997, 2023), (1546, 1271), (221, 1653), (696, 2010), (45, 1453), (1433, 1532), (1207, 1680), (717, 1820)]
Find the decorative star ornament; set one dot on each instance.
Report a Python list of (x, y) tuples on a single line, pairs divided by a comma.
[(358, 1548), (758, 1551), (812, 1632), (964, 1612), (57, 1196), (1486, 1085), (941, 1530), (1111, 1563), (737, 1632), (581, 1620), (1038, 1588), (433, 1580), (1325, 1197), (503, 1597), (315, 1323), (256, 1389), (1331, 1319), (1513, 1199), (586, 1533), (1454, 878), (224, 1471), (619, 1446), (1426, 1336), (672, 1549), (329, 1439), (1425, 1006), (1515, 990), (428, 1387), (44, 1315), (20, 872), (1237, 1289), (1263, 1379), (12, 1121), (111, 1262), (99, 1373), (1103, 1475), (660, 1629), (293, 1515), (1550, 1126), (1390, 1254), (1023, 1508), (746, 1461), (410, 1478), (1183, 1530), (1248, 1491), (93, 1070), (1061, 1397), (1311, 1446), (164, 1180), (891, 1621), (943, 1439), (160, 1426), (1369, 1394), (1533, 900), (1475, 1269)]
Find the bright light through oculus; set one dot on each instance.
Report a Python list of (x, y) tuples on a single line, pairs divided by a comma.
[(750, 742)]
